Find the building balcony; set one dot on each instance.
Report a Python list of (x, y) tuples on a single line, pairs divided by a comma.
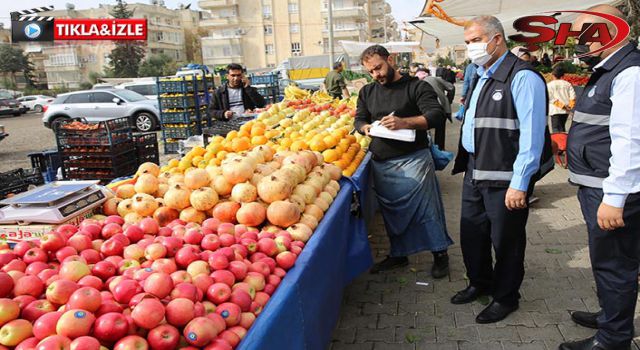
[(220, 40), (347, 34), (219, 22), (356, 13), (62, 68), (221, 60), (211, 4)]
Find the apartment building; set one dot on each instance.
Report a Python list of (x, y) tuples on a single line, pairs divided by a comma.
[(263, 33), (173, 32)]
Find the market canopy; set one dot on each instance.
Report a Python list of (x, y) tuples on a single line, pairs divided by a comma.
[(507, 12)]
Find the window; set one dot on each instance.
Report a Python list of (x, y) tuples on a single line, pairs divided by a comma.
[(271, 65), (103, 97), (296, 49), (78, 98), (293, 7), (146, 90), (266, 11), (159, 36), (268, 29), (268, 49), (294, 28)]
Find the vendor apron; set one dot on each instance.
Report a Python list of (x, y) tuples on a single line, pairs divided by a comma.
[(411, 203)]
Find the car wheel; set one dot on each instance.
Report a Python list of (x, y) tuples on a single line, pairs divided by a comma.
[(37, 108), (17, 114), (145, 121)]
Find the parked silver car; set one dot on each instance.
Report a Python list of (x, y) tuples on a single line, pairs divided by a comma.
[(99, 105)]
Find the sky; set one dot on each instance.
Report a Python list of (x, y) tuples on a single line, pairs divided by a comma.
[(403, 10)]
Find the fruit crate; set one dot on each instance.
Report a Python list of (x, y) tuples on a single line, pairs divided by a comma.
[(96, 150), (146, 147), (98, 173), (177, 100), (264, 79), (100, 162), (223, 127), (104, 133), (48, 162), (172, 116), (174, 131), (19, 180)]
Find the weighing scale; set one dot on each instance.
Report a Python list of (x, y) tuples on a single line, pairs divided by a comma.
[(54, 203)]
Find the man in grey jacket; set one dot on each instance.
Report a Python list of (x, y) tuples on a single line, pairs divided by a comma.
[(444, 90)]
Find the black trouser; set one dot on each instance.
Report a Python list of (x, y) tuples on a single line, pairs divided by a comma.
[(485, 223), (558, 122), (614, 260), (440, 134)]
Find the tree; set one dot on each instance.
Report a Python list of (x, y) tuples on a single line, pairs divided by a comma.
[(124, 60), (12, 61), (631, 9), (157, 65)]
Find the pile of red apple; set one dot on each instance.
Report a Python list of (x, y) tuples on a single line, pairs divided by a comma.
[(107, 284)]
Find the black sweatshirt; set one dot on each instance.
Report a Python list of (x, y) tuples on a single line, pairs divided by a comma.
[(220, 101), (407, 97)]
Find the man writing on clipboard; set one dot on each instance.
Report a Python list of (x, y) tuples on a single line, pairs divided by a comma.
[(404, 172)]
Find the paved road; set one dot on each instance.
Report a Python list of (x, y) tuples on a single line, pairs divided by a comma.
[(26, 135), (389, 311)]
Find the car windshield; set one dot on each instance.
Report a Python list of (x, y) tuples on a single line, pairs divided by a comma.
[(5, 95), (130, 96)]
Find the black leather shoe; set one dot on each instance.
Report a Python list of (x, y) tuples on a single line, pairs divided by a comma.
[(586, 319), (495, 312), (467, 295), (440, 266), (390, 263), (589, 344)]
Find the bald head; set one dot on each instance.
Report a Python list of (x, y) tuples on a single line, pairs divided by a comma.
[(587, 18)]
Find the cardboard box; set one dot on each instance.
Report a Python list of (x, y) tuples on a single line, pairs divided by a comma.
[(13, 234)]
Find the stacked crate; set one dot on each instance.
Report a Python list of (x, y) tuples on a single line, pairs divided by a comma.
[(267, 85), (19, 180), (99, 151), (146, 145), (184, 105)]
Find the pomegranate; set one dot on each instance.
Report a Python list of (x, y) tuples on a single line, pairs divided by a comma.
[(125, 207), (322, 204), (110, 207), (147, 183), (244, 193), (251, 214), (300, 232), (221, 185), (176, 179), (125, 191), (196, 178), (133, 218), (164, 177), (271, 189), (299, 159), (149, 168), (203, 198), (317, 184), (162, 189), (309, 220), (306, 192), (283, 214), (213, 171), (237, 171), (164, 215), (326, 197), (335, 185), (335, 173), (144, 204), (191, 214), (331, 191), (314, 211), (298, 172), (226, 211), (177, 197), (297, 200)]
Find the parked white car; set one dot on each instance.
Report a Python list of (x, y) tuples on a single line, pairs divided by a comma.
[(146, 88), (36, 102)]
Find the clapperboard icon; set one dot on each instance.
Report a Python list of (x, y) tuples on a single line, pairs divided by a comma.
[(27, 25)]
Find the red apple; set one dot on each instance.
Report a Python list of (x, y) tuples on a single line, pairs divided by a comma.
[(85, 343), (200, 331), (164, 337), (246, 320), (35, 254), (149, 226), (180, 276), (80, 242), (6, 285), (230, 312), (21, 248), (256, 280), (185, 290), (85, 298), (242, 299), (219, 322), (239, 270), (104, 270), (210, 242), (14, 332), (110, 327), (198, 267), (172, 244), (218, 262), (27, 344), (108, 306), (65, 252), (51, 242), (134, 233), (271, 263), (29, 285), (59, 291), (54, 342), (212, 224), (148, 313), (203, 282), (125, 290), (180, 311), (155, 251), (231, 337), (74, 270), (185, 256), (110, 230), (9, 311), (67, 230), (75, 323), (286, 260), (218, 293), (261, 298), (90, 281), (92, 256), (45, 325), (35, 268), (24, 300), (158, 284), (261, 268), (246, 287), (167, 266), (193, 236), (112, 247), (132, 342), (219, 344), (268, 246)]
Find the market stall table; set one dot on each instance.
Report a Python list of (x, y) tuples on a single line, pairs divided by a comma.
[(303, 311)]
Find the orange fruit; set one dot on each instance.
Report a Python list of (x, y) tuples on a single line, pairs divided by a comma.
[(259, 140), (232, 135), (244, 133), (240, 144), (286, 142), (299, 145), (173, 163), (257, 131), (317, 145), (331, 141), (330, 156)]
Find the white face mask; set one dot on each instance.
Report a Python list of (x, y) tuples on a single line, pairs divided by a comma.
[(478, 54)]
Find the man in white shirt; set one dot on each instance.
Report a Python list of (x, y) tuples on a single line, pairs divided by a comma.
[(604, 160), (562, 98)]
